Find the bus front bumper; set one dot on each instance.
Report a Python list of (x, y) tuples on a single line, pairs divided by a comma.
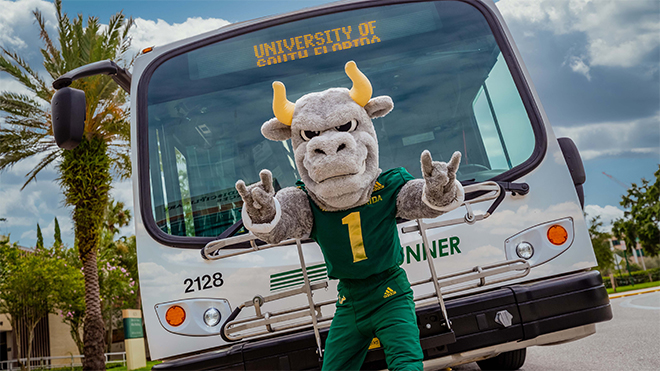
[(552, 310)]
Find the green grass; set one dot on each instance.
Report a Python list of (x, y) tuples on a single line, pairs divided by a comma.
[(109, 367), (149, 365), (637, 286)]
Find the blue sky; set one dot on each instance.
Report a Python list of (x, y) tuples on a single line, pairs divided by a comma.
[(593, 62)]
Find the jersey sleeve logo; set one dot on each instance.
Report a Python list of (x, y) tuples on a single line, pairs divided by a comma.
[(378, 187)]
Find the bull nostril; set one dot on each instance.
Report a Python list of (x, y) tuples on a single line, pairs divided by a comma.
[(319, 151), (341, 146)]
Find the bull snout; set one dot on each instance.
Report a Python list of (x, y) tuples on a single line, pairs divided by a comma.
[(330, 145), (333, 154)]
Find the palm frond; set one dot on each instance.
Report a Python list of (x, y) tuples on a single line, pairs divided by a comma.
[(111, 38), (121, 161), (29, 123), (107, 118), (107, 89), (64, 34), (52, 56), (42, 90), (53, 155), (126, 39), (16, 73), (17, 144), (19, 105)]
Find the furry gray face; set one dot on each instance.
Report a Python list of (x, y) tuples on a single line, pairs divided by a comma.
[(339, 163), (335, 146)]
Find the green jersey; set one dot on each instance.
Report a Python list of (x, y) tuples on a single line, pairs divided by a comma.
[(364, 240)]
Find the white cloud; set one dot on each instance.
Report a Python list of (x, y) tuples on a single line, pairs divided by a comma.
[(607, 214), (40, 202), (577, 65), (632, 138), (8, 83), (29, 234), (157, 33), (17, 29), (618, 33), (18, 32), (18, 222)]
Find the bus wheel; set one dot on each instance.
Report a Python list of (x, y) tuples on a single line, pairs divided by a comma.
[(512, 360)]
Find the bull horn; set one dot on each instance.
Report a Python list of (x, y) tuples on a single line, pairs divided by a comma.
[(282, 107), (361, 90)]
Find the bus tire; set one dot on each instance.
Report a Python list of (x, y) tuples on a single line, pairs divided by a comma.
[(512, 360)]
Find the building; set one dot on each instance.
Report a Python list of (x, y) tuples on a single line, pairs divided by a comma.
[(51, 339)]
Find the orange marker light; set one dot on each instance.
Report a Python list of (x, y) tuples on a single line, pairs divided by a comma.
[(175, 316), (557, 235), (147, 50)]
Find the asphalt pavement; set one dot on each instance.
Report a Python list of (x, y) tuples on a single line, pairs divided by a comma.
[(630, 341)]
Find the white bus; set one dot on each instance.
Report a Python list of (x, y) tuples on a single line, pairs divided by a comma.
[(509, 269)]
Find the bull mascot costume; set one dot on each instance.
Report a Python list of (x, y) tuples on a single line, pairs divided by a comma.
[(349, 206)]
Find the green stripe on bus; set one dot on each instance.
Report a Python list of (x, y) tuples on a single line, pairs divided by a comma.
[(311, 277), (293, 284), (280, 285), (297, 275), (296, 270)]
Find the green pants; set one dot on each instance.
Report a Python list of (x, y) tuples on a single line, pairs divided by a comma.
[(378, 306)]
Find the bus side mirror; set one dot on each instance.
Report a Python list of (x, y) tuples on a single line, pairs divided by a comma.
[(575, 166), (68, 115)]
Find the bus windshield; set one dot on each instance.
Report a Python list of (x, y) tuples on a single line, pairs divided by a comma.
[(439, 61)]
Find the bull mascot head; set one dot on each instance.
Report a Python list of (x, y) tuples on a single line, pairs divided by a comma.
[(333, 139)]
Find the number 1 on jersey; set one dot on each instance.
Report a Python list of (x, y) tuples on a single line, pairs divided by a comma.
[(355, 236)]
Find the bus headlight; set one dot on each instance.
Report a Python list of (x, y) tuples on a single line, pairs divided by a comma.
[(525, 250), (203, 316), (212, 317), (542, 242)]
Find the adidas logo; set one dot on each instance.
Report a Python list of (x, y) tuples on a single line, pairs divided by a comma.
[(389, 292), (378, 187)]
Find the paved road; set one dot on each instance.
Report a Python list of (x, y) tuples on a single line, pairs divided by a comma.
[(630, 341)]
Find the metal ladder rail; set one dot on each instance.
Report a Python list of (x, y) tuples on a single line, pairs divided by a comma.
[(494, 192), (258, 301), (310, 299)]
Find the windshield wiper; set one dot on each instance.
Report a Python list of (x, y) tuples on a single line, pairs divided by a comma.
[(231, 230)]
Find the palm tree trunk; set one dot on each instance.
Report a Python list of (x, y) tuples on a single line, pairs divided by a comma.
[(94, 328), (86, 179)]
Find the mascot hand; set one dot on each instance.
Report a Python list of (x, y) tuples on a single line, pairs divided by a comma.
[(440, 187), (259, 198)]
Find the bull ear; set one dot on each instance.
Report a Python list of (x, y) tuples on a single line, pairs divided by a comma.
[(273, 129), (379, 106)]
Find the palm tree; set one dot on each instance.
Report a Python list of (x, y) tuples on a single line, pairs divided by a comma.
[(85, 172)]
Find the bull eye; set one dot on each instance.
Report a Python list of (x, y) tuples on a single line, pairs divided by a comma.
[(347, 127), (307, 135)]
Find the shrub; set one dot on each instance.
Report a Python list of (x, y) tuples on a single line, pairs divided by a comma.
[(639, 276)]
